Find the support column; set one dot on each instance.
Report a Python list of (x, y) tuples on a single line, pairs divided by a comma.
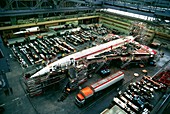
[(13, 20), (40, 17)]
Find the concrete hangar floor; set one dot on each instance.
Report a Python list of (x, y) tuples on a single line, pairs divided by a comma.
[(19, 102)]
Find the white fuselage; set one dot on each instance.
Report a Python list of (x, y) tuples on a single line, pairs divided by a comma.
[(66, 61)]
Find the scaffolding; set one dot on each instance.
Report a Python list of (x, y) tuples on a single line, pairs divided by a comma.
[(36, 86)]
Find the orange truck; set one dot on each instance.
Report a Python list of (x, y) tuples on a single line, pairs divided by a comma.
[(89, 92)]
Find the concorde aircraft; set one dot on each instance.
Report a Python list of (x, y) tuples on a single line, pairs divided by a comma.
[(84, 54)]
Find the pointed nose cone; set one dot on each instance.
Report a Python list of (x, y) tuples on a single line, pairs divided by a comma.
[(41, 72)]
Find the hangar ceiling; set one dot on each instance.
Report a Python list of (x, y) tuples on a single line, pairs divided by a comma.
[(159, 9)]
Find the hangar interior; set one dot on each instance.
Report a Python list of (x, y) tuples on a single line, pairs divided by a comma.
[(84, 56)]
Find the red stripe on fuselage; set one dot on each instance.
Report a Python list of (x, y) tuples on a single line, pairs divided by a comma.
[(98, 51), (92, 53)]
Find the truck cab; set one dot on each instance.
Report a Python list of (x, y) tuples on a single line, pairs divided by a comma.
[(80, 100), (84, 95)]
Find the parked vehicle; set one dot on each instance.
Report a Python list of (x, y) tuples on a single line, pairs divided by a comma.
[(89, 92)]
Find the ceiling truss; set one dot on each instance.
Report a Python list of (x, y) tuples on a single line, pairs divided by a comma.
[(154, 8)]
